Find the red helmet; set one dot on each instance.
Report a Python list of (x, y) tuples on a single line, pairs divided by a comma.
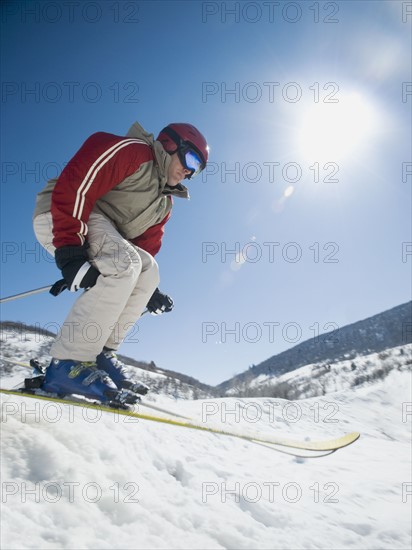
[(188, 142)]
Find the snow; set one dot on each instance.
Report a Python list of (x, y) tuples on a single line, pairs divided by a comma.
[(320, 378), (73, 478)]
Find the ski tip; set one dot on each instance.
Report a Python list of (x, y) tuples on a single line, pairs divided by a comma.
[(343, 441)]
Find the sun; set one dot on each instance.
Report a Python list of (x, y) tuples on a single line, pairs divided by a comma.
[(335, 131)]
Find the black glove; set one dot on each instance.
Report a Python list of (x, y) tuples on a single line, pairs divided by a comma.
[(159, 303), (73, 262)]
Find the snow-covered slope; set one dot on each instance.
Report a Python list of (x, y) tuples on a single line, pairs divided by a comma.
[(325, 377), (376, 334), (77, 480)]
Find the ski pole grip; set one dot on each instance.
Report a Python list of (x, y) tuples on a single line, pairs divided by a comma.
[(58, 287)]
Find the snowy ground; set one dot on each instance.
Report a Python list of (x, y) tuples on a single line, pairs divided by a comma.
[(76, 480), (322, 378)]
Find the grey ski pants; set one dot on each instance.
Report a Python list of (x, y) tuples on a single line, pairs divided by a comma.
[(103, 315)]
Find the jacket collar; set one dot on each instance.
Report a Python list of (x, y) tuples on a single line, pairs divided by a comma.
[(178, 190)]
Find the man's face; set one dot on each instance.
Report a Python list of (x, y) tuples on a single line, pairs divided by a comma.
[(176, 172)]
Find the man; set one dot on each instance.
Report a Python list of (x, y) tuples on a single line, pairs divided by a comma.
[(103, 220)]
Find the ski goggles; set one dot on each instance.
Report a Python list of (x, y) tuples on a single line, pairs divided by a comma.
[(191, 160), (190, 157)]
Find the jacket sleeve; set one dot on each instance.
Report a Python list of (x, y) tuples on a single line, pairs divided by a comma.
[(151, 239), (102, 162)]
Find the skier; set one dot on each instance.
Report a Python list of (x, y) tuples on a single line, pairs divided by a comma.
[(103, 220)]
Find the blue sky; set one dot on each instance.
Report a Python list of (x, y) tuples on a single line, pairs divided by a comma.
[(300, 224)]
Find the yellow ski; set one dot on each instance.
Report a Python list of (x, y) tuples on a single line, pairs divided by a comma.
[(326, 445)]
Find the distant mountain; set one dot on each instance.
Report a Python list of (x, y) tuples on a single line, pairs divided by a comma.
[(319, 379), (386, 330)]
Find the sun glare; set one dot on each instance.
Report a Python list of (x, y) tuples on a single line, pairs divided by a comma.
[(333, 131)]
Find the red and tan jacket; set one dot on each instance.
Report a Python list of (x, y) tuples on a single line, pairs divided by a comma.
[(124, 178)]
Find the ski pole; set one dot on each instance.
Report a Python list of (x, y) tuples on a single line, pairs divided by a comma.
[(24, 294), (55, 290)]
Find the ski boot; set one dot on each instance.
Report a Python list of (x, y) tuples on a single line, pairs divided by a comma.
[(119, 373), (84, 378)]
